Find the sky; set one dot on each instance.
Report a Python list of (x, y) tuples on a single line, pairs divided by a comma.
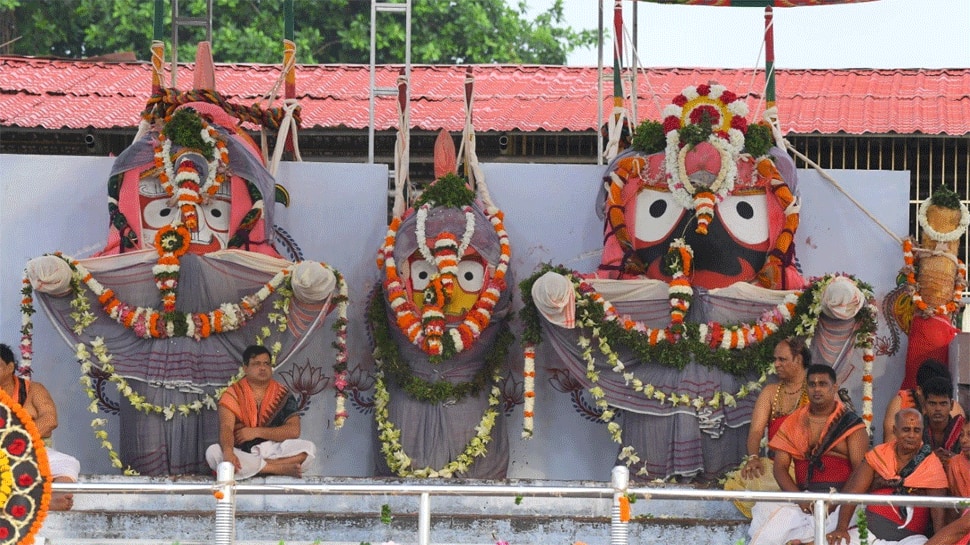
[(877, 34)]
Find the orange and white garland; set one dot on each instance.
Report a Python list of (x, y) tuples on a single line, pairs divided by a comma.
[(713, 334), (680, 290), (959, 284), (529, 391), (185, 186), (426, 329)]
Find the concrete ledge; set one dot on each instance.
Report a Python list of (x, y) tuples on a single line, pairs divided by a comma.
[(340, 519), (77, 528)]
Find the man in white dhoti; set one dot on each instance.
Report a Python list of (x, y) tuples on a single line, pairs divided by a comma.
[(259, 426)]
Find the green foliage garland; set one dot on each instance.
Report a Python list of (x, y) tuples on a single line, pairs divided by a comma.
[(649, 137), (755, 358), (449, 191), (945, 197), (185, 129), (758, 140)]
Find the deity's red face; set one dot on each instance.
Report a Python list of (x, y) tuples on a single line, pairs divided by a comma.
[(733, 250), (471, 277), (158, 210)]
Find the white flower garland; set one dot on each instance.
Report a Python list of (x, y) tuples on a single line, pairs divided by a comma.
[(734, 337), (390, 436), (950, 236), (730, 146), (232, 317)]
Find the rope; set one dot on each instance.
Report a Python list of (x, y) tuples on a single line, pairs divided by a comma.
[(162, 105), (402, 165), (922, 252), (270, 98), (290, 106), (832, 181)]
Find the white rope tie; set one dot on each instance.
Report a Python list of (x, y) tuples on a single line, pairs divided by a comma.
[(401, 153), (267, 102), (288, 124)]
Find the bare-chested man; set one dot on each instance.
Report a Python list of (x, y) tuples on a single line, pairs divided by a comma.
[(825, 442), (37, 401)]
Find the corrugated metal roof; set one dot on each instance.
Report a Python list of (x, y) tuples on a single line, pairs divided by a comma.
[(55, 94)]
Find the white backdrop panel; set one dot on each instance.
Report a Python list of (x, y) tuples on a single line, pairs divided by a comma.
[(338, 216)]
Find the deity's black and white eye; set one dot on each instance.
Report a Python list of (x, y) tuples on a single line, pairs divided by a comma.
[(216, 213), (657, 213), (157, 214), (745, 217), (421, 273), (471, 275)]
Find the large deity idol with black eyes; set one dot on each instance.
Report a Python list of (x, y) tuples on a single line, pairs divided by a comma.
[(188, 278), (697, 281)]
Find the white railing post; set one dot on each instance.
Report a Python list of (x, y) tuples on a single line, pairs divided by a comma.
[(225, 504), (821, 513), (619, 529), (424, 519)]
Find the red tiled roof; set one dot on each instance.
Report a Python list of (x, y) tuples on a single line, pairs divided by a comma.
[(55, 94)]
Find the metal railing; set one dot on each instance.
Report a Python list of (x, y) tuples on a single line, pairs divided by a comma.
[(225, 490)]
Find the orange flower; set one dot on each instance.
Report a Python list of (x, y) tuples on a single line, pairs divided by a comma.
[(624, 509)]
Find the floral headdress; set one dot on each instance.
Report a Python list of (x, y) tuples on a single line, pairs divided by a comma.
[(705, 113)]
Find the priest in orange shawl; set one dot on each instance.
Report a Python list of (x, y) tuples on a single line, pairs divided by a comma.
[(259, 424), (904, 466), (825, 441)]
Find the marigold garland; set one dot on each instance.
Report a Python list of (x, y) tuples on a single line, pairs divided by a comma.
[(389, 361), (21, 454), (738, 349), (426, 329)]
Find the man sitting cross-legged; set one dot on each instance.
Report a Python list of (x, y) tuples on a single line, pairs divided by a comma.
[(904, 466), (825, 441), (259, 427)]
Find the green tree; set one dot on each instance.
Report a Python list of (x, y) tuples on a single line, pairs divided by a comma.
[(328, 31)]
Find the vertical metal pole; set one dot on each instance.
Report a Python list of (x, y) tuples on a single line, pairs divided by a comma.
[(821, 513), (424, 519), (225, 504), (769, 58), (599, 88), (619, 529), (175, 43), (373, 81)]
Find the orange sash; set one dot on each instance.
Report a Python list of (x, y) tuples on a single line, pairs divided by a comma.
[(928, 474), (794, 438), (958, 473), (239, 399)]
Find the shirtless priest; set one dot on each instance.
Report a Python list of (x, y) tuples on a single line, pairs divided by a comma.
[(259, 427)]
